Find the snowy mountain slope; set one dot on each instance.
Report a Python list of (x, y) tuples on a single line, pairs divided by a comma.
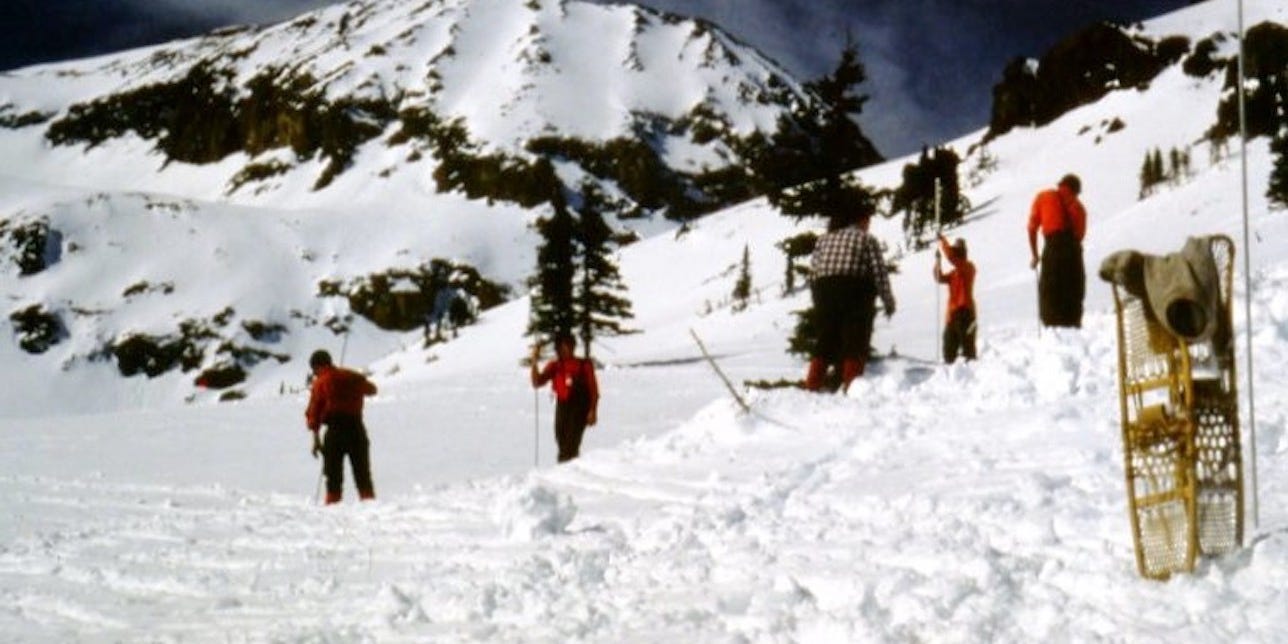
[(676, 282), (978, 502), (340, 129), (674, 278), (353, 85)]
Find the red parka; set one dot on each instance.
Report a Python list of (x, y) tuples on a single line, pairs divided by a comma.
[(561, 373), (336, 391)]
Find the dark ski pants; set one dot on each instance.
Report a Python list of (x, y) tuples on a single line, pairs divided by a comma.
[(959, 335), (346, 435), (840, 318), (570, 426), (844, 312), (1062, 284)]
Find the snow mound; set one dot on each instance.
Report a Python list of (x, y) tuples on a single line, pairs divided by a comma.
[(534, 511)]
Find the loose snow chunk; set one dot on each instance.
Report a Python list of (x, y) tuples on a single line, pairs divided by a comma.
[(534, 510)]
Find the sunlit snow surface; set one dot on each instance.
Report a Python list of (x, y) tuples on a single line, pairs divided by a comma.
[(977, 502)]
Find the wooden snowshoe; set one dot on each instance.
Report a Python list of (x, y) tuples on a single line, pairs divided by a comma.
[(1180, 433)]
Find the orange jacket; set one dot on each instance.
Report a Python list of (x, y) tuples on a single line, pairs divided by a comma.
[(1055, 210), (960, 281), (336, 391)]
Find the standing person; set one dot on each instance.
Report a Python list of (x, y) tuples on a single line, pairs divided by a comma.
[(576, 393), (336, 401), (1062, 282), (444, 298), (847, 274), (959, 330)]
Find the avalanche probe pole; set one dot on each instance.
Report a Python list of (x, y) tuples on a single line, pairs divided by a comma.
[(344, 346), (1247, 274), (939, 349), (536, 426)]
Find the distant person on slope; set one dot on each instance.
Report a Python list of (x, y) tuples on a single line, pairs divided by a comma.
[(847, 274), (959, 330), (1062, 282), (440, 311), (336, 401), (576, 393)]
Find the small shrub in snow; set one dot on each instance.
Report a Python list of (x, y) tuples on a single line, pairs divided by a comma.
[(33, 245), (37, 329)]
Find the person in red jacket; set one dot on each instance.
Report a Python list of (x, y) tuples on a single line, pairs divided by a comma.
[(959, 330), (1062, 282), (336, 401), (576, 393)]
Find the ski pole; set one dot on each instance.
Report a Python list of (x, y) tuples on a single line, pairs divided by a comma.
[(1037, 284), (536, 408), (344, 347), (317, 493), (536, 427)]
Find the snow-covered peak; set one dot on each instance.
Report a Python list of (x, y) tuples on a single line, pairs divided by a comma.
[(338, 82)]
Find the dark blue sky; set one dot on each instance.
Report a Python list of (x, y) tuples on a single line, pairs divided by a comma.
[(931, 63)]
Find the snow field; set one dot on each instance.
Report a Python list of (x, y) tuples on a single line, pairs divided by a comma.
[(980, 502), (998, 516)]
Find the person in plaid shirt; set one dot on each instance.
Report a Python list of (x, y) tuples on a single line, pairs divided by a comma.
[(847, 274)]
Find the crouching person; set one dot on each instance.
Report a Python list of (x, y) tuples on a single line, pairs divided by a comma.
[(336, 401)]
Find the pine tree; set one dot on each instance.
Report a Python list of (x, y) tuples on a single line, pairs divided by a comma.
[(1278, 190), (552, 311), (916, 196), (601, 306), (798, 246), (1146, 177), (802, 168), (1159, 172), (742, 286)]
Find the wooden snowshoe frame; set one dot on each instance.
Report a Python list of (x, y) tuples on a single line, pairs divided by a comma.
[(1180, 430)]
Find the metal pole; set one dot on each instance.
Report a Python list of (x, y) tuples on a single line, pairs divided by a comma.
[(344, 347), (536, 427), (1247, 273), (939, 349)]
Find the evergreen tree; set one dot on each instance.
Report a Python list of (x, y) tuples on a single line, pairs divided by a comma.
[(916, 196), (601, 305), (804, 333), (742, 286), (1159, 172), (794, 248), (552, 311), (1278, 190), (1146, 177), (802, 167)]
